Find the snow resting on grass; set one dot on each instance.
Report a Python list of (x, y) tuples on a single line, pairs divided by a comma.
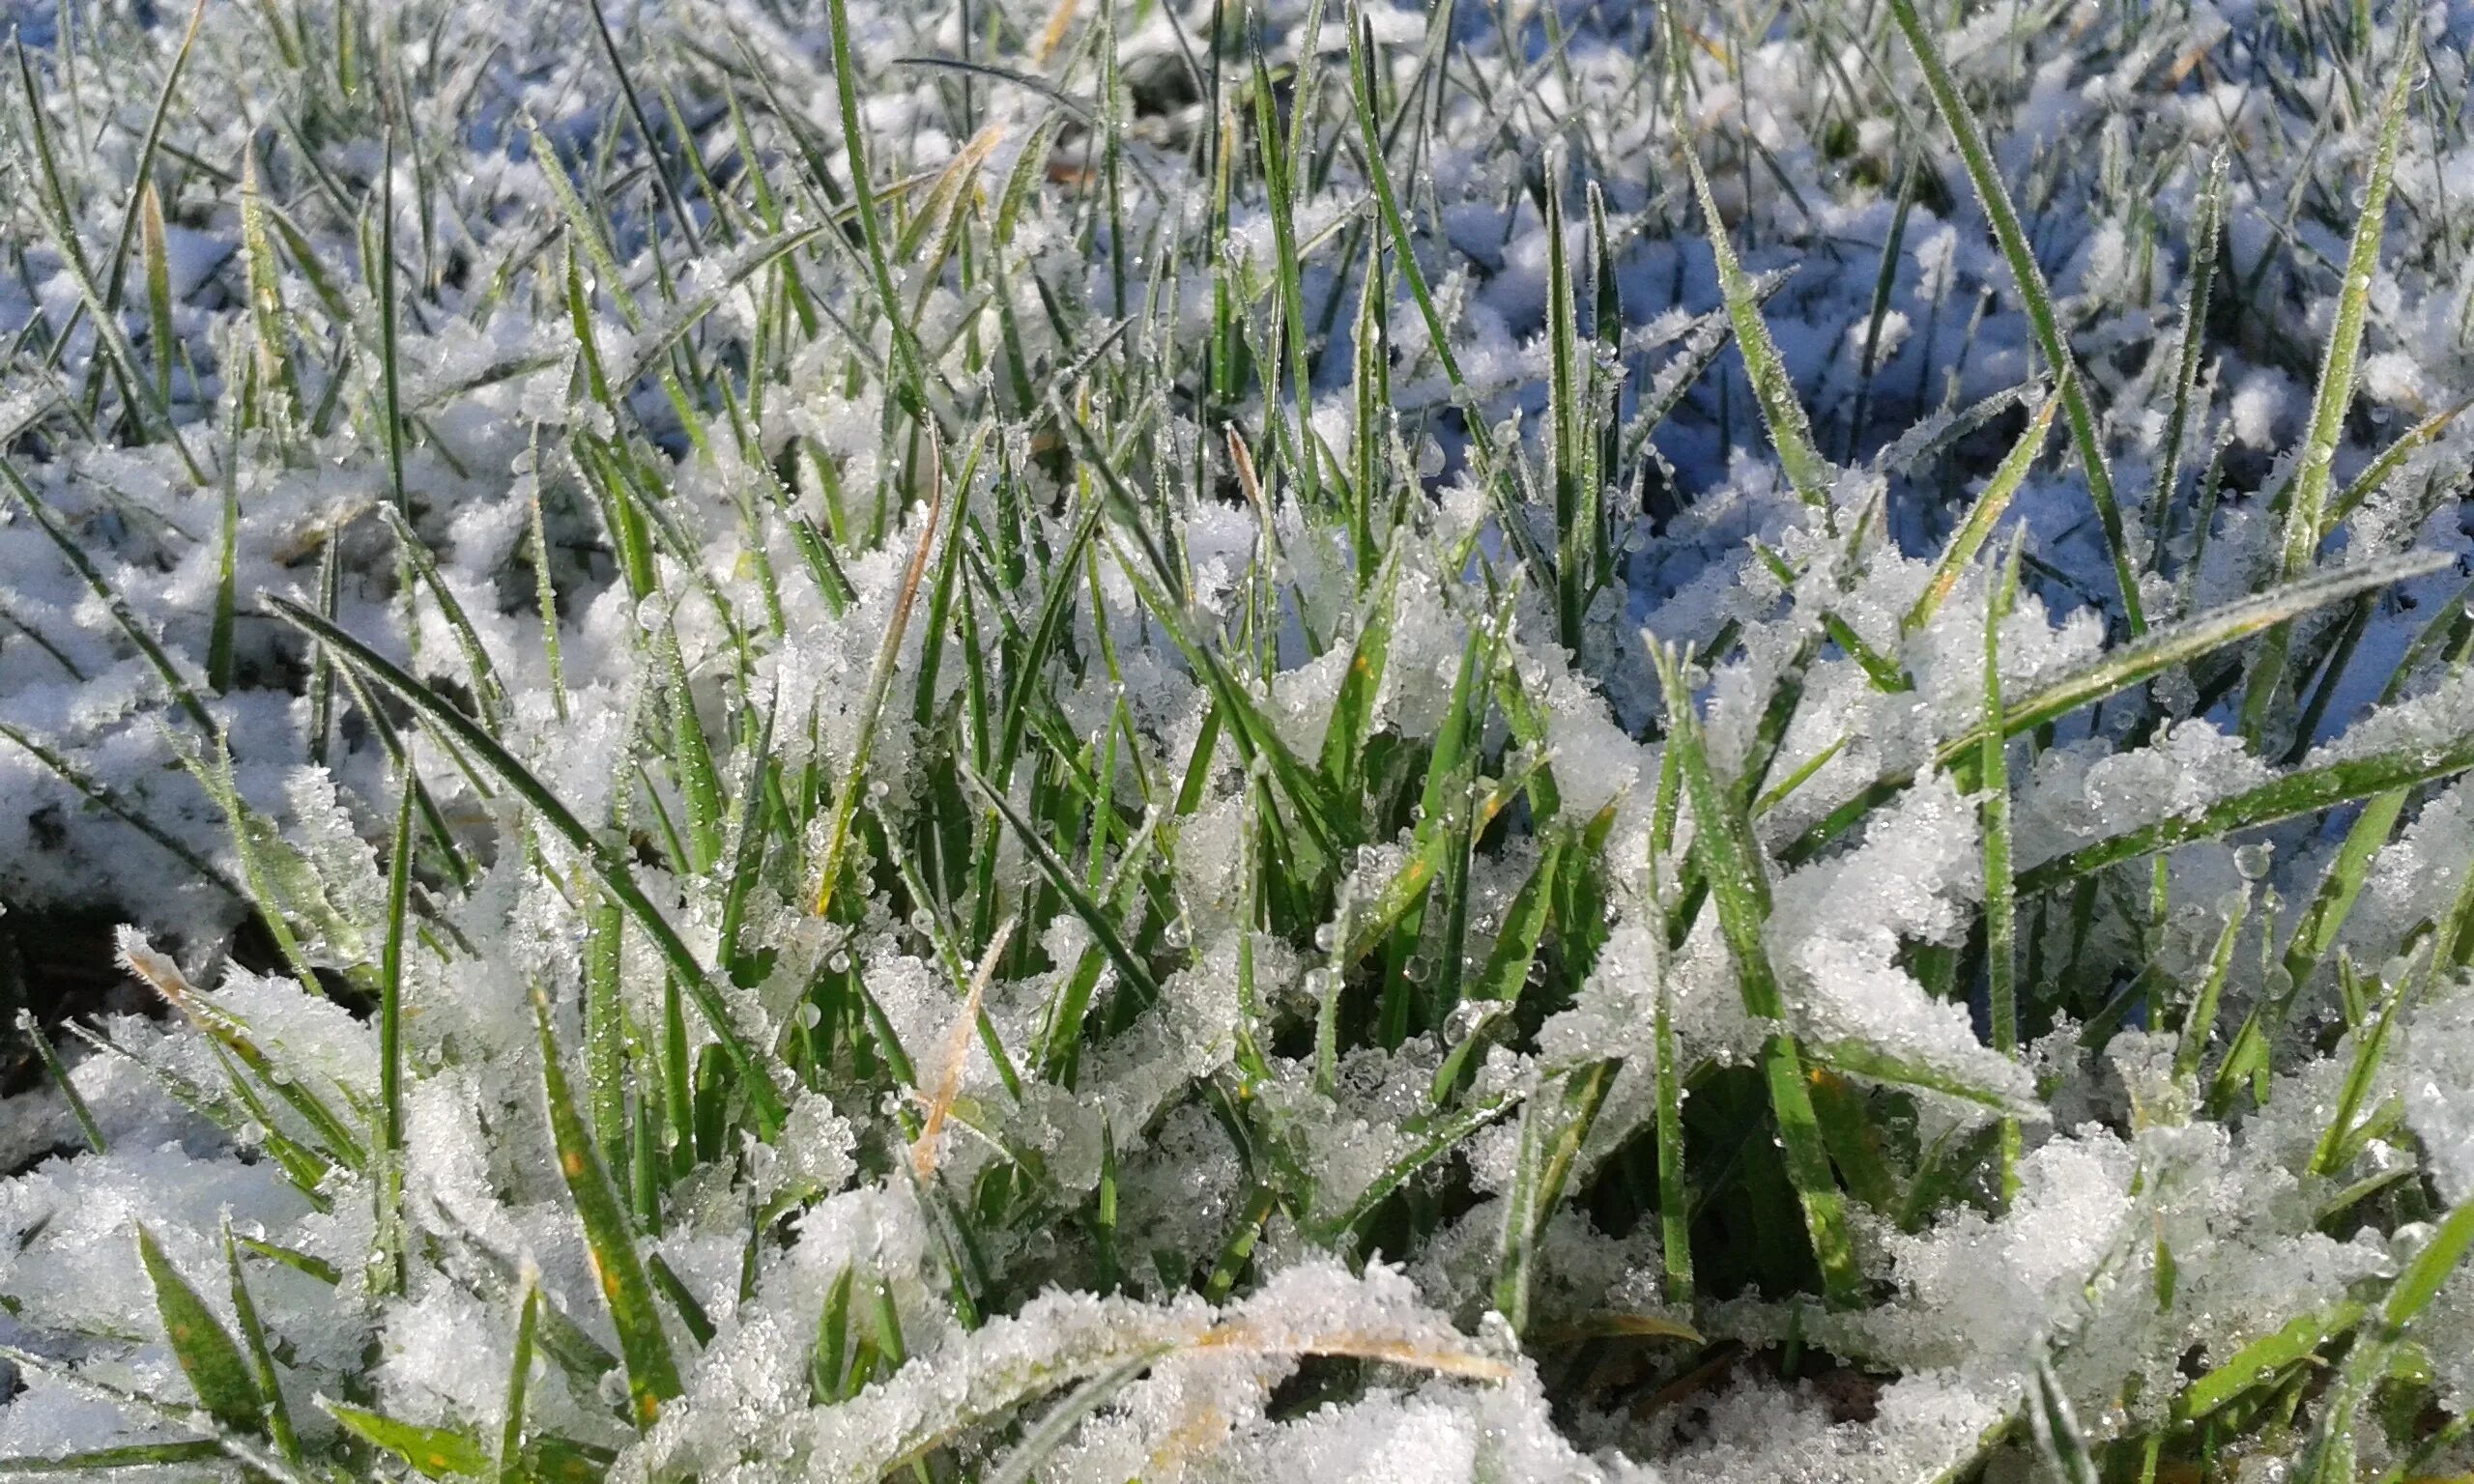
[(1116, 739)]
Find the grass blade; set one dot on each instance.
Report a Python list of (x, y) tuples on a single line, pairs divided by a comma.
[(652, 1375), (2035, 297), (1977, 525), (1791, 432), (1730, 862), (2306, 520), (2308, 791), (203, 1347), (433, 1452)]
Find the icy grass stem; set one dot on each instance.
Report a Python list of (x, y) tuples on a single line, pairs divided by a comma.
[(1968, 134)]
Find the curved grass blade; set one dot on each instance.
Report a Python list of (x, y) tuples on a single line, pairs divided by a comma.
[(1052, 1429)]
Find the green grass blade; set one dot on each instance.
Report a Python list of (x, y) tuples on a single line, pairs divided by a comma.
[(433, 1452), (1791, 432), (2133, 664), (2198, 1024), (2000, 904), (2034, 296), (1730, 862), (854, 777), (254, 1335), (110, 799), (203, 1347), (2330, 1458), (2202, 276), (1061, 876), (1352, 718), (691, 757), (33, 1033), (2056, 1428), (386, 1147), (911, 387), (2308, 791), (1977, 525), (156, 248), (182, 694), (653, 1374), (2391, 458), (2306, 516), (131, 1455)]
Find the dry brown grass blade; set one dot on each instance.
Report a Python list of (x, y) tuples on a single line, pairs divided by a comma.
[(927, 1149)]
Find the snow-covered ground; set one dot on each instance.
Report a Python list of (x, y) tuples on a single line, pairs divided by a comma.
[(1146, 803)]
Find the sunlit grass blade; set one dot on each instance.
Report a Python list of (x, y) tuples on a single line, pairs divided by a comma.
[(2306, 516), (2345, 1136), (157, 248), (2129, 665), (2378, 473), (910, 388), (2034, 297), (205, 1350), (1791, 432), (2308, 791), (1344, 759), (652, 1373), (1547, 1151), (2330, 1457), (34, 1035), (1977, 525), (433, 1452)]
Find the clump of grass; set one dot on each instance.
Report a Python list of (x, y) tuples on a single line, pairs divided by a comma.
[(1082, 789)]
